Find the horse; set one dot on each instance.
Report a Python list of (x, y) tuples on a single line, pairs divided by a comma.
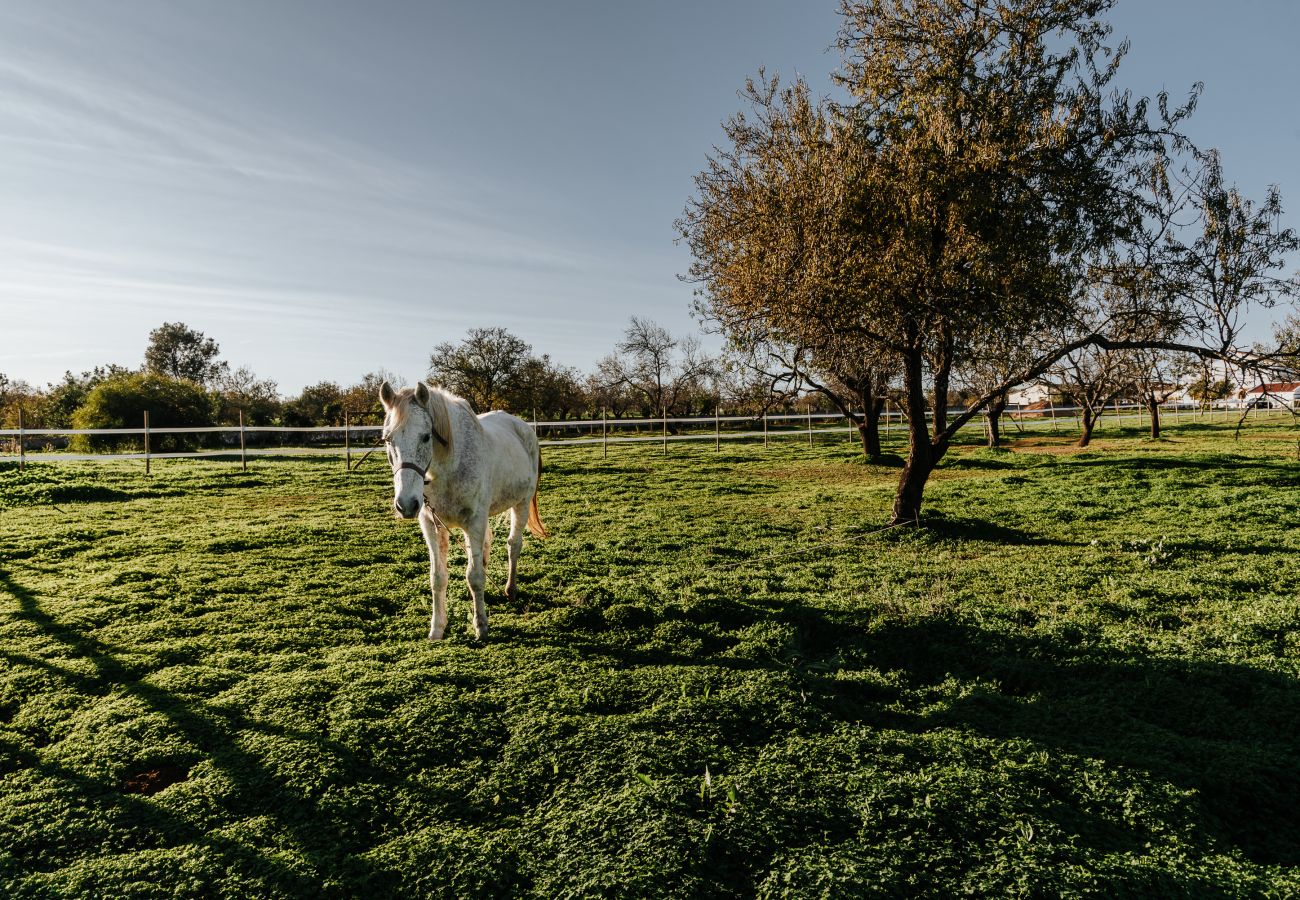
[(454, 469)]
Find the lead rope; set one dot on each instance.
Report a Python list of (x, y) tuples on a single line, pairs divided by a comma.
[(373, 447)]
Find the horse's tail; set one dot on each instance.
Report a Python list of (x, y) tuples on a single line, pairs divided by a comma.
[(534, 517)]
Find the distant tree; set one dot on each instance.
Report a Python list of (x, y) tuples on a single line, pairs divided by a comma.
[(669, 374), (179, 351), (16, 394), (62, 398), (361, 400), (482, 367), (1207, 390), (319, 404), (1153, 377), (552, 391), (242, 391), (120, 401)]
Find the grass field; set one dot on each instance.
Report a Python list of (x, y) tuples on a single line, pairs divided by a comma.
[(1080, 679)]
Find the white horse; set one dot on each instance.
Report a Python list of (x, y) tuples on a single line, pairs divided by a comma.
[(454, 469)]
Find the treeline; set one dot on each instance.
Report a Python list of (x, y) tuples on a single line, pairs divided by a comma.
[(184, 382)]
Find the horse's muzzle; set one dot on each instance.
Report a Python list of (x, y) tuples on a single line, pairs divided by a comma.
[(407, 509)]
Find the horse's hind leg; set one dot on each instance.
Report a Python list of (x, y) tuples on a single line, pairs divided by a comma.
[(436, 538), (476, 576), (518, 518)]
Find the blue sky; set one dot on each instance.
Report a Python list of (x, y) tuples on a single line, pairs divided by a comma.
[(327, 188)]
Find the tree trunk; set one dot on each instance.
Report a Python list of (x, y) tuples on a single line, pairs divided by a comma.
[(996, 406), (920, 456), (1154, 409), (869, 427), (1089, 420)]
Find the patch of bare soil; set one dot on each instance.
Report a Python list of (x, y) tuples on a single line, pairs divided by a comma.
[(151, 781)]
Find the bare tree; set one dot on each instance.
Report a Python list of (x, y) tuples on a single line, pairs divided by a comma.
[(665, 371)]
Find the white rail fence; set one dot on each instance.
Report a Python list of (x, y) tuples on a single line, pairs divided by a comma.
[(663, 430)]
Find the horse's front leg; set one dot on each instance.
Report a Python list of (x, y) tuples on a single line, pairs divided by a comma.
[(476, 576), (435, 537)]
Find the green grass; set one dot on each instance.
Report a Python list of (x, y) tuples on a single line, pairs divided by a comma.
[(1079, 680)]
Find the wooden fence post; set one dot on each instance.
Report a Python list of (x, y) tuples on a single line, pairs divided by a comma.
[(810, 442), (243, 450), (665, 424), (604, 433), (347, 443), (22, 442), (146, 442), (765, 429), (1052, 406), (717, 427)]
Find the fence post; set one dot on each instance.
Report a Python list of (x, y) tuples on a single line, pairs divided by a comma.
[(765, 429), (604, 433), (665, 424), (146, 442), (1052, 406), (810, 443), (347, 443), (717, 427), (243, 452), (22, 442)]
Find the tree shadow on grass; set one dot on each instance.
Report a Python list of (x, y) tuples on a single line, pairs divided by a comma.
[(1285, 469), (981, 530), (1226, 731), (333, 852)]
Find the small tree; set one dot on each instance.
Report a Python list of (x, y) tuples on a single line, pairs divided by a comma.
[(242, 391), (668, 373), (1152, 375), (178, 351), (319, 404)]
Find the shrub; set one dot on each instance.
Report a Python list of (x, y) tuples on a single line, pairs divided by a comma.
[(120, 402)]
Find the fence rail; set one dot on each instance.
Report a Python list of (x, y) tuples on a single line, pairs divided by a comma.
[(702, 428)]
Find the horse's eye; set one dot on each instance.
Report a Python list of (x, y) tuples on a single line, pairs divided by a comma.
[(426, 438)]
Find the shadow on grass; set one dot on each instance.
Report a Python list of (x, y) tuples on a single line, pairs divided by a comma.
[(971, 529), (1227, 732), (325, 843)]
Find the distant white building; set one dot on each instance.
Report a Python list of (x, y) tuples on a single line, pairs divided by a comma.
[(1240, 380), (1274, 395), (1030, 394)]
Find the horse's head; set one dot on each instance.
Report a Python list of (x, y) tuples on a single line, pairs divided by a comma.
[(416, 433)]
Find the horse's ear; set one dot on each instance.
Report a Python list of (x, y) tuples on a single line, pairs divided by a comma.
[(386, 395), (422, 394)]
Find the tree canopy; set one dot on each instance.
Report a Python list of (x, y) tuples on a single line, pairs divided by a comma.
[(178, 351), (979, 175)]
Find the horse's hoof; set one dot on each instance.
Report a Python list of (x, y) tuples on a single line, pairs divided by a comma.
[(512, 593), (435, 636)]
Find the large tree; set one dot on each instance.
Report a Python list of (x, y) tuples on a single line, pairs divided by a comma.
[(981, 164), (178, 351), (483, 367)]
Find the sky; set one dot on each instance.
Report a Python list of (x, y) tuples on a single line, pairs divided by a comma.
[(329, 188)]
